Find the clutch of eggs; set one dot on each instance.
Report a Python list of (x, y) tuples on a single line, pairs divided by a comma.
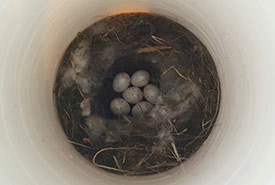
[(134, 95)]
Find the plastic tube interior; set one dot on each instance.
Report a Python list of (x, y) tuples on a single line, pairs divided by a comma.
[(241, 38)]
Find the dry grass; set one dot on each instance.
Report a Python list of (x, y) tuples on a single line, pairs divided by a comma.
[(176, 70), (150, 49)]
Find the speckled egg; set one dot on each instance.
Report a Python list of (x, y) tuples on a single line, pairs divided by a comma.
[(140, 78), (119, 106), (133, 95), (151, 93), (141, 108), (121, 82)]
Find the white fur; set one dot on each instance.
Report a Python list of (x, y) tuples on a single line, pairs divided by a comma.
[(68, 78), (86, 107)]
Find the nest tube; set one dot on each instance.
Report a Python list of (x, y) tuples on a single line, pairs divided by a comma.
[(34, 146)]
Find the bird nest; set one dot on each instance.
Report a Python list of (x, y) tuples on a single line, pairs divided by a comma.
[(159, 140)]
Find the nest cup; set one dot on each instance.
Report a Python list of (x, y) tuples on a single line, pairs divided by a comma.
[(184, 91), (28, 118)]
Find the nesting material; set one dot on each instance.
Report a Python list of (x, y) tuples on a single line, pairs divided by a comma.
[(86, 107), (137, 94)]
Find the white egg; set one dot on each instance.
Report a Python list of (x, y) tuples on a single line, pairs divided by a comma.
[(121, 82), (140, 78), (151, 93), (133, 95), (141, 108), (119, 106)]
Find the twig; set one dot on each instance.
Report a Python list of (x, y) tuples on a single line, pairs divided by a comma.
[(152, 49), (83, 128), (146, 157), (184, 130), (124, 157), (116, 161), (158, 165), (176, 151), (169, 156), (177, 71), (171, 164), (59, 92), (111, 168), (78, 144), (66, 112), (172, 125), (159, 51), (109, 31), (80, 92), (158, 39), (175, 157), (205, 123), (126, 118), (219, 97), (118, 38), (73, 66), (206, 105), (180, 74)]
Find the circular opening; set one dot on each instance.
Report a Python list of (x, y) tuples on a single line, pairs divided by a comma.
[(177, 122)]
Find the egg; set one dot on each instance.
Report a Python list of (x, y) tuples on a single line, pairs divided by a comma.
[(141, 108), (121, 82), (119, 106), (133, 95), (140, 78), (151, 93)]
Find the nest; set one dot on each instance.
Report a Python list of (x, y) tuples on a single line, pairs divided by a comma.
[(178, 63)]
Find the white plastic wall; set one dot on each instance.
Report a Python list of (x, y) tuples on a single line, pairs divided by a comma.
[(33, 37)]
